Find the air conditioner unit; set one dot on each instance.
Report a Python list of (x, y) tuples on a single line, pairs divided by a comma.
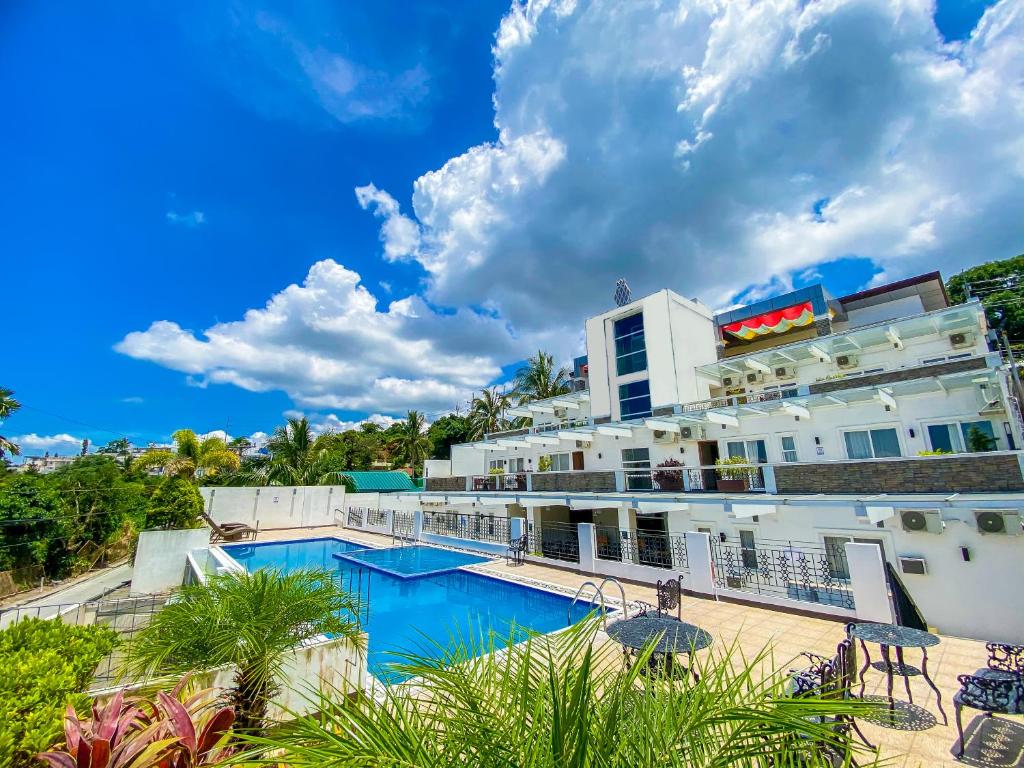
[(729, 381), (560, 413), (846, 361), (664, 436), (785, 372), (916, 566), (755, 377), (686, 433), (1004, 522), (582, 443), (961, 340), (922, 520)]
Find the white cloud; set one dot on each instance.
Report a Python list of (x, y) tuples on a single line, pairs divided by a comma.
[(191, 219), (328, 345), (331, 423), (133, 400), (685, 144), (399, 233), (61, 443)]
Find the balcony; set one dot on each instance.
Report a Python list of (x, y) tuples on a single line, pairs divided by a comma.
[(993, 472), (539, 429)]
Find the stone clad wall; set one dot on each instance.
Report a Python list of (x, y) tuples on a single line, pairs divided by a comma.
[(574, 481), (964, 473), (457, 483), (903, 374)]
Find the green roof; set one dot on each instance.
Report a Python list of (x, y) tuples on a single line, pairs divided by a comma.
[(381, 481)]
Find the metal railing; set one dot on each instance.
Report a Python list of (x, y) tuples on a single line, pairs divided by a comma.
[(560, 541), (731, 401), (403, 525), (355, 517), (653, 548), (734, 478), (511, 481), (795, 570), (377, 517), (539, 429), (491, 528)]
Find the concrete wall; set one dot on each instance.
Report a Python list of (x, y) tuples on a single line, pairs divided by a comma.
[(160, 559), (275, 506)]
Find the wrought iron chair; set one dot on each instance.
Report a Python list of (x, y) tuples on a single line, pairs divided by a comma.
[(831, 678), (669, 594), (516, 551), (996, 689)]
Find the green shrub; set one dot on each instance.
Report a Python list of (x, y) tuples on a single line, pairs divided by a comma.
[(46, 665), (176, 503)]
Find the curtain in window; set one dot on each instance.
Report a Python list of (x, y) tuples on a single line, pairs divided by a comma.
[(858, 445), (885, 442)]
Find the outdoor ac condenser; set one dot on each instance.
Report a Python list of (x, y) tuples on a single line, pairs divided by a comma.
[(921, 520), (1001, 522)]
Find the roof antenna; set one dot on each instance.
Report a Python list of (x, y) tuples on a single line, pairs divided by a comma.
[(622, 293)]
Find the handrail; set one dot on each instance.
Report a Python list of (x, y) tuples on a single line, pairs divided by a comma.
[(597, 594), (622, 591)]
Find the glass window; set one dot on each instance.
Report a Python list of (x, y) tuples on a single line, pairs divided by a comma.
[(872, 444), (835, 553), (789, 448), (635, 399), (630, 347), (633, 458), (753, 451), (747, 550), (978, 435), (560, 462), (945, 437)]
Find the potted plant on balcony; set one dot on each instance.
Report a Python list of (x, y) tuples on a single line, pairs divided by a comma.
[(733, 478), (544, 464), (669, 480)]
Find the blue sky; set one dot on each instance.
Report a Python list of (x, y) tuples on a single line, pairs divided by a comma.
[(184, 163)]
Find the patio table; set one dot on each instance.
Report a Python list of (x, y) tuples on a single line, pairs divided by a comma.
[(888, 636), (673, 637)]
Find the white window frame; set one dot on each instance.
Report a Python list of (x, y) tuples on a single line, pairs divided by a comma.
[(560, 456), (959, 421), (723, 447), (782, 448), (898, 426)]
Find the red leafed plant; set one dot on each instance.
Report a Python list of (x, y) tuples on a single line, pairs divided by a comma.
[(173, 731)]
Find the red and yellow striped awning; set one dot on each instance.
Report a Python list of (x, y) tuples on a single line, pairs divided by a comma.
[(778, 321)]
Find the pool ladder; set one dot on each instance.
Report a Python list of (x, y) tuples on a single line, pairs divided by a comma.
[(598, 598)]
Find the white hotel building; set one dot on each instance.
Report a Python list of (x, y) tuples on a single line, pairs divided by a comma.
[(881, 418)]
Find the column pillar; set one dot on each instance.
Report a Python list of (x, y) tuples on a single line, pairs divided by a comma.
[(588, 547), (868, 583), (698, 555)]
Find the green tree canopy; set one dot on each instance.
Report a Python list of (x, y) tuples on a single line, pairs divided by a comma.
[(8, 406), (37, 527), (539, 379), (176, 503), (1000, 285), (448, 431), (191, 456)]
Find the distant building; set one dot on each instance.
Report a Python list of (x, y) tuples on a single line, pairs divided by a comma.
[(44, 464)]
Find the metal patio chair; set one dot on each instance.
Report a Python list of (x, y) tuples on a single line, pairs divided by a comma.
[(669, 596), (516, 551), (997, 689)]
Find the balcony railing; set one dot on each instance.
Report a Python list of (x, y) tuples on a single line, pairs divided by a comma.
[(490, 528), (538, 429), (559, 541), (513, 481), (653, 548), (793, 570)]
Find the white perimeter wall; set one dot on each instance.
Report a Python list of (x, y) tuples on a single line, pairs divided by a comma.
[(276, 506)]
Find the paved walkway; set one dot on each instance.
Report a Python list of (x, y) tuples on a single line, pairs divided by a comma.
[(82, 590)]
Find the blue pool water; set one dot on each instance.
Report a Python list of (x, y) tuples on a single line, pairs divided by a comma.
[(411, 615), (406, 562)]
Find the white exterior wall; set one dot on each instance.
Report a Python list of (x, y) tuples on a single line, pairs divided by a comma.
[(275, 506), (161, 556), (598, 368)]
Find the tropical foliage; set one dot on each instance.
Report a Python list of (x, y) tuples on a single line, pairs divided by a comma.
[(447, 431), (295, 458), (250, 621), (191, 456), (487, 412), (1000, 284), (557, 700), (175, 730), (8, 405), (412, 445), (539, 379), (176, 503), (46, 666)]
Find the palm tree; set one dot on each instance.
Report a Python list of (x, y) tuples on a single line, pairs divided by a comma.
[(412, 444), (191, 456), (296, 458), (250, 621), (8, 405), (557, 701), (240, 445), (487, 412), (539, 379)]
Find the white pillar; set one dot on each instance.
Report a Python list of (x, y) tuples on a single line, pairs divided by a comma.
[(588, 547), (698, 555), (388, 520), (417, 525), (868, 583)]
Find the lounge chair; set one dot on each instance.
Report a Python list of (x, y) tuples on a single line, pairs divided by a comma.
[(998, 689), (230, 531)]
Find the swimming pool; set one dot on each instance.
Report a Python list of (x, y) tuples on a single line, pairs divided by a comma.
[(412, 614), (411, 562)]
